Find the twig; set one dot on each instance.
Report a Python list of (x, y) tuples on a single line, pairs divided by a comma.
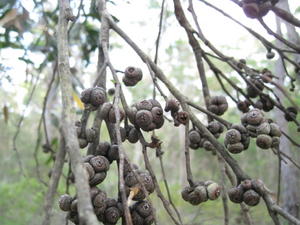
[(189, 174), (43, 120), (53, 184), (165, 202), (85, 208), (20, 123), (159, 31), (224, 195), (167, 188)]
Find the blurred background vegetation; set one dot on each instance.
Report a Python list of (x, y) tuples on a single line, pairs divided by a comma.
[(27, 60)]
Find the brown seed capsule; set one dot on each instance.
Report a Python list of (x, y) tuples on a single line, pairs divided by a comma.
[(213, 191), (98, 178), (235, 194), (182, 117), (131, 114), (130, 179), (264, 141), (246, 185), (133, 135), (270, 55), (110, 202), (254, 117), (251, 198), (100, 200), (275, 142), (263, 128), (90, 134), (129, 82), (235, 148), (144, 208), (136, 218), (143, 118), (147, 181), (157, 114), (102, 148), (194, 146), (65, 202), (97, 96), (100, 163), (105, 110), (112, 215), (172, 105), (194, 198), (202, 193), (185, 193), (268, 105), (113, 153), (218, 105), (86, 95), (243, 106), (215, 127), (194, 137), (233, 136), (133, 73), (275, 130), (292, 113), (144, 105), (111, 91), (254, 87), (251, 10), (149, 220)]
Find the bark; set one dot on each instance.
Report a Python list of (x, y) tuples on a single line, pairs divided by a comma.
[(289, 173), (85, 208)]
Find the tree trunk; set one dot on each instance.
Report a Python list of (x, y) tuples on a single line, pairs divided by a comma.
[(289, 173)]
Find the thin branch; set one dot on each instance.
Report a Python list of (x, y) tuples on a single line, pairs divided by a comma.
[(85, 208), (159, 31), (20, 123), (188, 169), (165, 202), (53, 184)]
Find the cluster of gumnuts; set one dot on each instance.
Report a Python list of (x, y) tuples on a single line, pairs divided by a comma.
[(93, 97), (255, 86), (135, 180), (132, 76), (147, 115), (86, 136), (107, 210), (237, 139), (201, 192), (266, 132), (248, 191), (254, 89), (197, 140), (179, 117), (257, 8), (217, 105)]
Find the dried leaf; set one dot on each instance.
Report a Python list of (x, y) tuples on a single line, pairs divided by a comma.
[(78, 101)]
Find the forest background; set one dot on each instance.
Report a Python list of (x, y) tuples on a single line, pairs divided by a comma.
[(28, 73)]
